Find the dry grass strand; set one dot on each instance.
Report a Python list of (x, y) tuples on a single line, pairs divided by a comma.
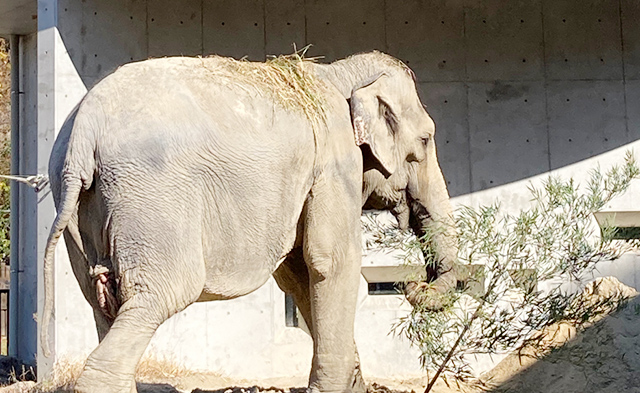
[(288, 79), (150, 370)]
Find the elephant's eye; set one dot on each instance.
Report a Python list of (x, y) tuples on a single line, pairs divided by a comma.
[(390, 118), (425, 141)]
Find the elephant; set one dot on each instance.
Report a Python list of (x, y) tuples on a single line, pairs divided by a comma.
[(181, 180)]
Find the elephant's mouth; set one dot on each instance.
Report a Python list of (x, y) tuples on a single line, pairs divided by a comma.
[(411, 214), (419, 218)]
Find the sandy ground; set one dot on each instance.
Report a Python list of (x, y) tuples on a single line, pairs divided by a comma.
[(603, 358)]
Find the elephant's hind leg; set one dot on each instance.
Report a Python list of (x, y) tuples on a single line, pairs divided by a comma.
[(111, 366)]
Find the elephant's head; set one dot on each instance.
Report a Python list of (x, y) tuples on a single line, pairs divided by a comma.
[(402, 173)]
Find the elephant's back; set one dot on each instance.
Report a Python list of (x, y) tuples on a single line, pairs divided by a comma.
[(176, 154), (182, 102)]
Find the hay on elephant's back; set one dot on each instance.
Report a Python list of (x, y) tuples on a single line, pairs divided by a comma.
[(289, 79)]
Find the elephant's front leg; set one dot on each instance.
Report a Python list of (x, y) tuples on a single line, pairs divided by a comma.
[(292, 277), (332, 252)]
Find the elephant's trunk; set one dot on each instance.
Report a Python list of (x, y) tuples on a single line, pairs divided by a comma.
[(431, 212)]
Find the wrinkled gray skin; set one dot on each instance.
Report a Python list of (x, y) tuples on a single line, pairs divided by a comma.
[(174, 187)]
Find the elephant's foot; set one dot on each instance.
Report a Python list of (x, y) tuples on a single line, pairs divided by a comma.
[(356, 384), (92, 381), (325, 381)]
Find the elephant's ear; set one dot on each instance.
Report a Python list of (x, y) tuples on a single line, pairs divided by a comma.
[(369, 125)]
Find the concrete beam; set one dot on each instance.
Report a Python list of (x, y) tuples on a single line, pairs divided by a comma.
[(17, 17)]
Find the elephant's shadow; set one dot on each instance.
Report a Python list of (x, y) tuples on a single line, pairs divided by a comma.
[(142, 388), (166, 388), (253, 389), (156, 388)]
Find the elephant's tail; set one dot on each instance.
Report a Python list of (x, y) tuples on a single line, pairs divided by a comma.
[(74, 177), (70, 193)]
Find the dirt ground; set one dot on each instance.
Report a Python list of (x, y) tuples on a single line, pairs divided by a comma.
[(603, 358)]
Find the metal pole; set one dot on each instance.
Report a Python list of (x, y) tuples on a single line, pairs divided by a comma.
[(15, 135)]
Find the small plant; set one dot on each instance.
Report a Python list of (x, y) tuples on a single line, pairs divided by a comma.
[(533, 263), (5, 158)]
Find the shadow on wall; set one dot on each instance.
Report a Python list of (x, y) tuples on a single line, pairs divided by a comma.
[(516, 88), (602, 358), (494, 133)]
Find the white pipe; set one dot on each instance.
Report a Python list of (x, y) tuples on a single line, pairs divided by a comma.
[(15, 200)]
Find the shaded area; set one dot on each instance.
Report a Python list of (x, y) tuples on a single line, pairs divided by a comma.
[(253, 389), (602, 358), (156, 388), (12, 369)]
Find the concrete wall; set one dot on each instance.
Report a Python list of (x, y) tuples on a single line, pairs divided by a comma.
[(517, 88), (541, 84)]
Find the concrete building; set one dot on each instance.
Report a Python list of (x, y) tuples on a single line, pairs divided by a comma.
[(518, 89)]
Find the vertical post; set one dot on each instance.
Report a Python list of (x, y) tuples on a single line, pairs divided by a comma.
[(59, 89), (42, 212), (15, 208)]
